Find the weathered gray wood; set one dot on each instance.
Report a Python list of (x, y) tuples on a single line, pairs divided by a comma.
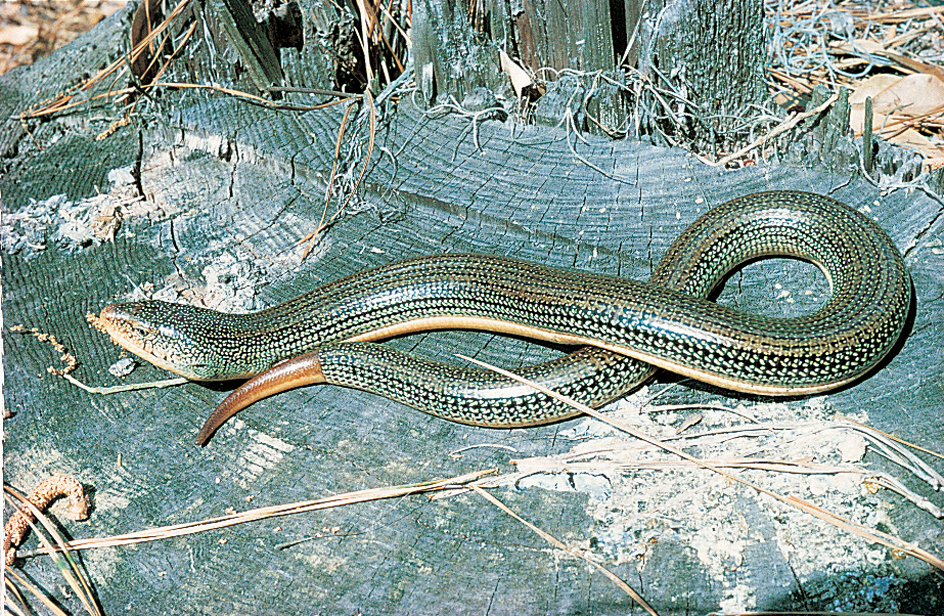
[(559, 35), (709, 55), (713, 54), (451, 59), (230, 180), (244, 36)]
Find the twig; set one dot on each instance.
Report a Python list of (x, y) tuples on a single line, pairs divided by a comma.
[(121, 388), (319, 91)]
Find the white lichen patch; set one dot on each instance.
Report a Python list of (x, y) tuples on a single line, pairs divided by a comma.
[(653, 496), (936, 246), (109, 512), (102, 563), (230, 284), (73, 225)]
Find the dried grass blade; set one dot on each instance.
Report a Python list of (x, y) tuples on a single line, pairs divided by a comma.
[(63, 102), (311, 237), (347, 498), (63, 560), (36, 592), (893, 438), (364, 37), (369, 98)]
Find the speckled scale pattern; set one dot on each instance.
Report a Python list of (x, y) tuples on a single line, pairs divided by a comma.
[(480, 397), (667, 321)]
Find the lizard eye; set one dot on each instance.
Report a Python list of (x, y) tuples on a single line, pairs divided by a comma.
[(142, 332)]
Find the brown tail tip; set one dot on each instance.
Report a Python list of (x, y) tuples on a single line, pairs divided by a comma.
[(296, 372)]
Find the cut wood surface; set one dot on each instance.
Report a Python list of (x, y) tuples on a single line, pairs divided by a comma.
[(230, 188)]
